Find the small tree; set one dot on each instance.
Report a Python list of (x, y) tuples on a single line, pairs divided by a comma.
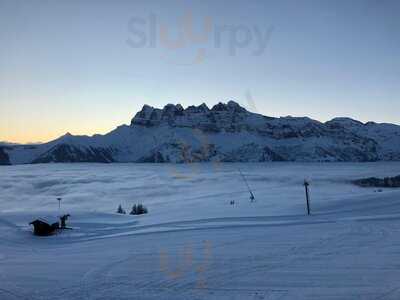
[(134, 210), (120, 210), (138, 209)]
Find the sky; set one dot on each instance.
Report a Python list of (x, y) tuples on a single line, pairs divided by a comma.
[(88, 66)]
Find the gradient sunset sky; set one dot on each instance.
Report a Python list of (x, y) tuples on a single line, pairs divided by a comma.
[(86, 67)]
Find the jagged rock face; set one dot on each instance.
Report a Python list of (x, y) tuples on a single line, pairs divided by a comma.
[(287, 139), (226, 133), (180, 153), (68, 153), (251, 153), (229, 117)]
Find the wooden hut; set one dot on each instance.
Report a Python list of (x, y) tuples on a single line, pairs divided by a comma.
[(43, 227)]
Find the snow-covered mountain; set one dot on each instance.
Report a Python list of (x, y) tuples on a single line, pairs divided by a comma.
[(226, 133)]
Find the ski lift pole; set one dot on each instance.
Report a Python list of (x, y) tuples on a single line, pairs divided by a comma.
[(59, 204), (306, 185), (247, 185)]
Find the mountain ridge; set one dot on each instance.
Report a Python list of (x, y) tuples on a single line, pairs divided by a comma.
[(227, 132)]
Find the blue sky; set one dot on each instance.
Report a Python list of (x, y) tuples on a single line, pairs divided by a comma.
[(89, 66)]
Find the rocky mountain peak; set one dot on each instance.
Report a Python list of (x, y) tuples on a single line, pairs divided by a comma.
[(344, 122), (231, 106), (192, 116), (203, 108)]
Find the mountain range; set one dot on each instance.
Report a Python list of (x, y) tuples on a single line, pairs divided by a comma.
[(226, 133)]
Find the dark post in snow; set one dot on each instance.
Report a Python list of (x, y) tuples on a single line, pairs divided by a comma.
[(59, 203), (306, 184)]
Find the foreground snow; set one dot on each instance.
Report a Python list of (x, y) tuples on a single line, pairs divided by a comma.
[(193, 244)]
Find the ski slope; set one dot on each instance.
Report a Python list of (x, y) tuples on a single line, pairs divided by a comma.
[(193, 244)]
